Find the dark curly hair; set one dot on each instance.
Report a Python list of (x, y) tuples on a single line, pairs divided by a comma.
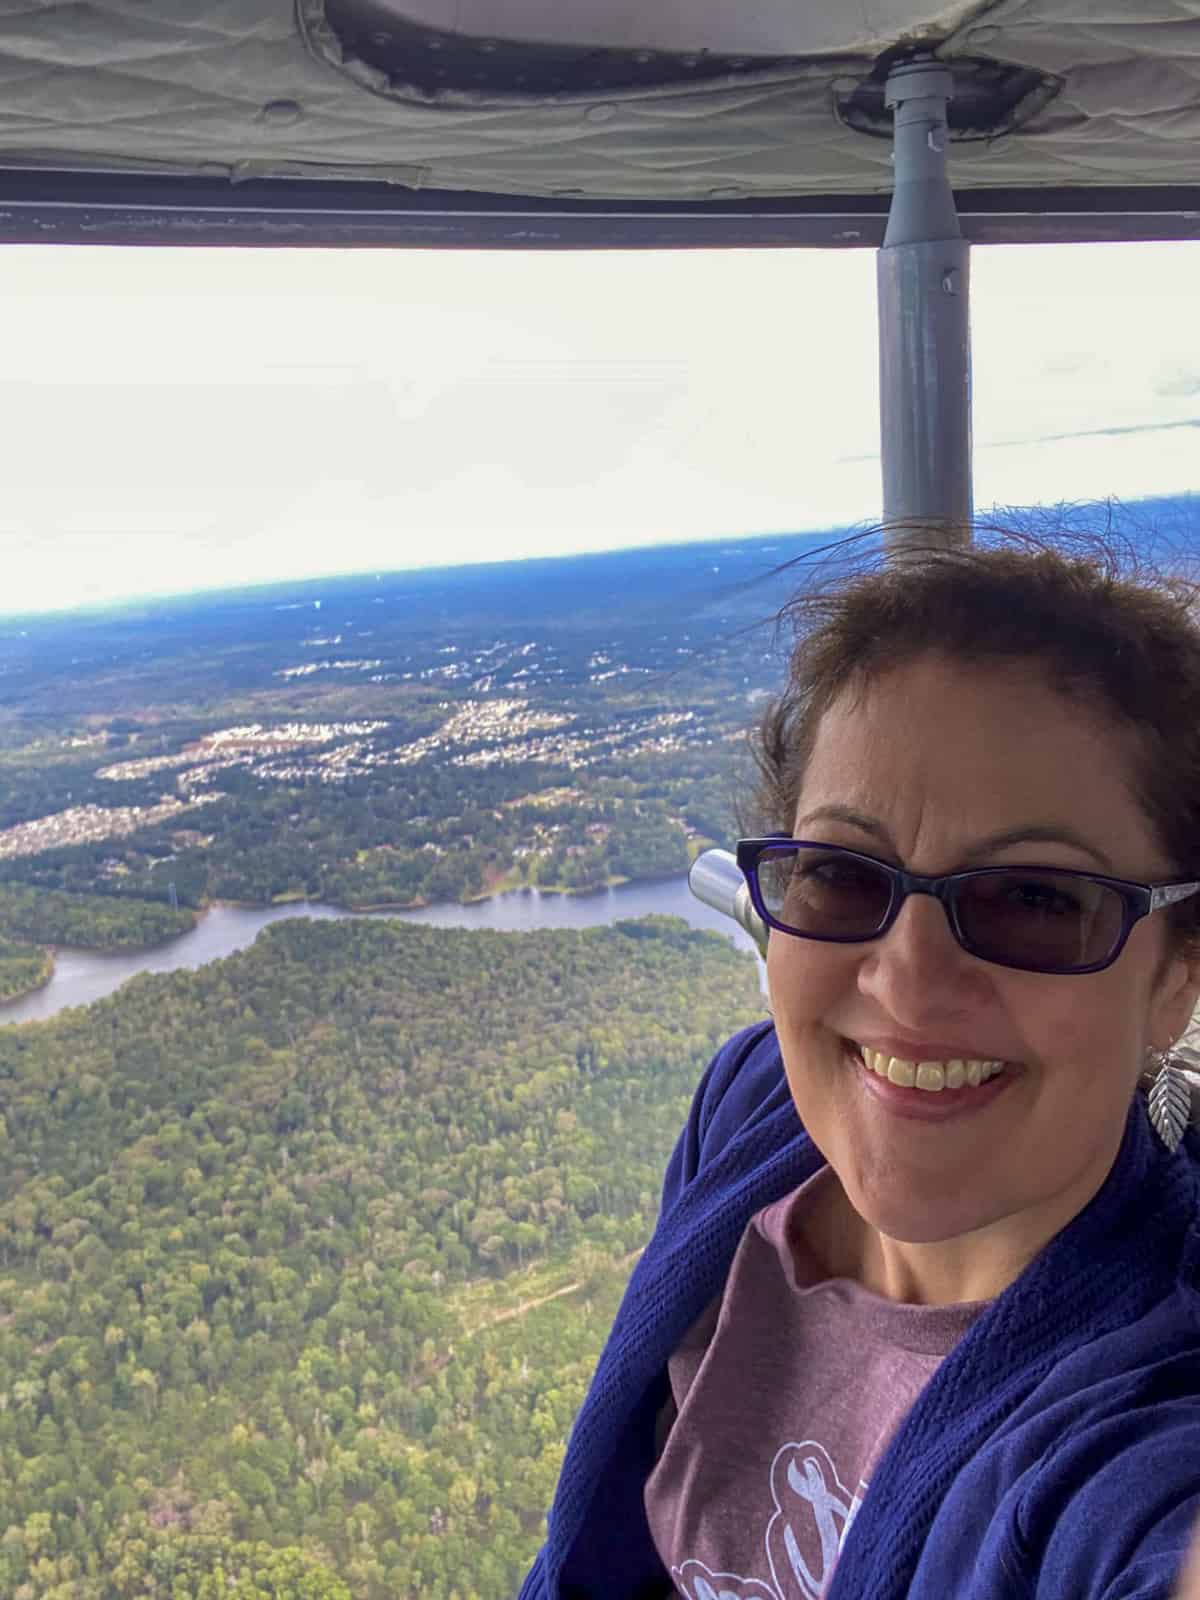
[(1105, 627)]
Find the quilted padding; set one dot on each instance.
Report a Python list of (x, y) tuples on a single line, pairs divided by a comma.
[(258, 88)]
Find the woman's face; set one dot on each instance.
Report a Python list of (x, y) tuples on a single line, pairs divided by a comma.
[(933, 759)]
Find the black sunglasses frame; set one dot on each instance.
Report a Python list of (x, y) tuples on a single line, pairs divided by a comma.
[(1138, 900)]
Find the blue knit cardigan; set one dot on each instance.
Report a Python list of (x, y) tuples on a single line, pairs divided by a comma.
[(1054, 1454)]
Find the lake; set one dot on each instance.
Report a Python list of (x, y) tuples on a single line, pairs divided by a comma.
[(81, 976)]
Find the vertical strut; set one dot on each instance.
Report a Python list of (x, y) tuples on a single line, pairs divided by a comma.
[(924, 335)]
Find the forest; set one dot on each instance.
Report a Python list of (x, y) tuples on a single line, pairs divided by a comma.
[(306, 1257), (99, 922), (22, 967)]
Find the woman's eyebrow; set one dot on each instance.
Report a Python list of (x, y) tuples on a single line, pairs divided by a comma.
[(1035, 833), (856, 819), (1031, 833)]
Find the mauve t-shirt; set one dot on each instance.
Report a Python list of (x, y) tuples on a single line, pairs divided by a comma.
[(786, 1393)]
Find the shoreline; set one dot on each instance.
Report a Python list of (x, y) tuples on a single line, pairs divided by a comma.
[(123, 950), (85, 976), (369, 908), (382, 907)]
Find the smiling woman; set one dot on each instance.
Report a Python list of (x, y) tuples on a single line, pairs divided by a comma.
[(936, 755), (926, 1262)]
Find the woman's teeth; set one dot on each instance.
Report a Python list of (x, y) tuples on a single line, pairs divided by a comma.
[(931, 1075)]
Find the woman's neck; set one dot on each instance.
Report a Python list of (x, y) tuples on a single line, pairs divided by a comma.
[(948, 1272)]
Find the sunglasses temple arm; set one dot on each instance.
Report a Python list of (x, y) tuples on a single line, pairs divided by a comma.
[(1170, 893)]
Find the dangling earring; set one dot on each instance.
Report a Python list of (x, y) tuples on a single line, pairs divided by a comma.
[(1170, 1100)]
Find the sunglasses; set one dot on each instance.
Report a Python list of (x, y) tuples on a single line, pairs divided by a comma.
[(1037, 919)]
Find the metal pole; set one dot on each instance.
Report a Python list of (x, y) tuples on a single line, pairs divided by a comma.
[(924, 334)]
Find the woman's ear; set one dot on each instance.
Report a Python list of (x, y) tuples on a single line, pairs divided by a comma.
[(1175, 999)]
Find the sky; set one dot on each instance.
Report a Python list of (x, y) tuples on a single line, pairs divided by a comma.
[(178, 419)]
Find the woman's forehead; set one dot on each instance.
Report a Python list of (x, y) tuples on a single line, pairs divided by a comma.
[(971, 752), (932, 709)]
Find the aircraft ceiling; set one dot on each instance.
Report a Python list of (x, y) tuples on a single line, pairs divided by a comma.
[(688, 101)]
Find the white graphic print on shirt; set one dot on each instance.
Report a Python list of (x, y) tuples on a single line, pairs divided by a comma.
[(812, 1509)]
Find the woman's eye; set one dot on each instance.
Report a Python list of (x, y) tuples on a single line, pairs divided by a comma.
[(1046, 898), (843, 878)]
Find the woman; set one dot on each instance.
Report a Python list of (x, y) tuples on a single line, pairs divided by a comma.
[(923, 1265)]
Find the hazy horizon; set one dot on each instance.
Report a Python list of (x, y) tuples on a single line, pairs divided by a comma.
[(300, 581), (339, 575)]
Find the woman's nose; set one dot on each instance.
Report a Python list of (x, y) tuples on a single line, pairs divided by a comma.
[(919, 960)]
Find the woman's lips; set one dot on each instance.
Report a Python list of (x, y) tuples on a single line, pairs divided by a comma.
[(924, 1105)]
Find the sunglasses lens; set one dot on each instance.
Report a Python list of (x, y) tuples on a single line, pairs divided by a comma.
[(824, 894), (1039, 920)]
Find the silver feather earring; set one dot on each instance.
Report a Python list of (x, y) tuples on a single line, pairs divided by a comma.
[(1170, 1100)]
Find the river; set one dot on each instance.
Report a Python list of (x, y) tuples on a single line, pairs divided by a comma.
[(81, 976)]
